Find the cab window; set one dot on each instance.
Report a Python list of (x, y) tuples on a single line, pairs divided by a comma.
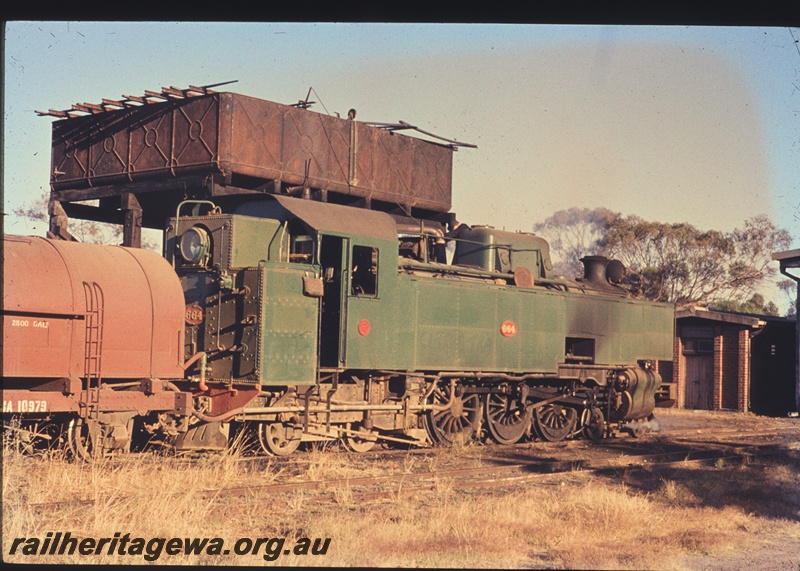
[(364, 271), (301, 249)]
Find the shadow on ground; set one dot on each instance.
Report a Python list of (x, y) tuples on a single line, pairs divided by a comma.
[(767, 485)]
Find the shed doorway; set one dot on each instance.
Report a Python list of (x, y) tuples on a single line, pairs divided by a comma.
[(699, 381)]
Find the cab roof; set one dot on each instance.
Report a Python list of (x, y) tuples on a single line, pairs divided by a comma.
[(325, 217)]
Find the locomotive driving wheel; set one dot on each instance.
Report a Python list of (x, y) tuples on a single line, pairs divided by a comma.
[(279, 438), (554, 422), (507, 418), (457, 423)]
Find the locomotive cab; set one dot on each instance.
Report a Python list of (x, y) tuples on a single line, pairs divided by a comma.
[(268, 287), (241, 275)]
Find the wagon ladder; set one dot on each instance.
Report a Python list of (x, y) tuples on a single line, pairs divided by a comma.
[(93, 349)]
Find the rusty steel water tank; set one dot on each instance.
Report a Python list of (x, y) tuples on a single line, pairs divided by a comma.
[(47, 285)]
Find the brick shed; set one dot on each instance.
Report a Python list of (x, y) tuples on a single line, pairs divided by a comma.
[(711, 362), (731, 361)]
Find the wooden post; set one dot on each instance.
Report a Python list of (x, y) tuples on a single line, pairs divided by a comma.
[(132, 230), (58, 222)]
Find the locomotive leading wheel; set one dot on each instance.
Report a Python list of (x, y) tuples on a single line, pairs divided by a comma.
[(554, 422), (362, 442), (278, 438), (456, 424), (594, 423), (507, 419)]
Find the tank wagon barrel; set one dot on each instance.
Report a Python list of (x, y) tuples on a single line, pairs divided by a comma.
[(52, 288), (87, 330)]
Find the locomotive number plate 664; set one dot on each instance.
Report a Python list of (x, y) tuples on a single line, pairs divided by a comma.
[(508, 329), (194, 314)]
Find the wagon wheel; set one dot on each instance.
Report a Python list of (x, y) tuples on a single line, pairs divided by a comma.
[(507, 418), (594, 423), (456, 424), (85, 439), (279, 438), (31, 438), (554, 422), (362, 442)]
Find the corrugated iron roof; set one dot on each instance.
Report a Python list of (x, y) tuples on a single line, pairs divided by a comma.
[(723, 316)]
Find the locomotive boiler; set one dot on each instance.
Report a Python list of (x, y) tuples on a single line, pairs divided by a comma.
[(301, 313)]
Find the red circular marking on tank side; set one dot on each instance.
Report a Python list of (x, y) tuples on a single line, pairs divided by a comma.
[(508, 329), (364, 327)]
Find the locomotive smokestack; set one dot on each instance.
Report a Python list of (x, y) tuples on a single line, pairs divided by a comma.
[(594, 269)]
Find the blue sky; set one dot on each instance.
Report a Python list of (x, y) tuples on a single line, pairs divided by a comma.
[(676, 124)]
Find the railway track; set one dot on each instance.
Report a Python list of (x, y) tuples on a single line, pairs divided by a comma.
[(688, 435)]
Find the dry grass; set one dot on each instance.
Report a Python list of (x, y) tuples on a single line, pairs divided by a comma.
[(634, 520)]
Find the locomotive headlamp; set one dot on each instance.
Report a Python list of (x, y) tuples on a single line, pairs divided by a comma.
[(194, 245)]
